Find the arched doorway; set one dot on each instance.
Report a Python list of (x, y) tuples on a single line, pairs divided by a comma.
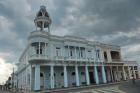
[(41, 80)]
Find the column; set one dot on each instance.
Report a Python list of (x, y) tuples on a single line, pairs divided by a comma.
[(129, 73), (65, 77), (52, 76), (103, 74), (87, 75), (37, 77), (96, 75), (124, 74), (77, 76)]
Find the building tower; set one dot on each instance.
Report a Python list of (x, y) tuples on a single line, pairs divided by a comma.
[(42, 19)]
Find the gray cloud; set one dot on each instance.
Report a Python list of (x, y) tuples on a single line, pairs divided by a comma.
[(107, 21)]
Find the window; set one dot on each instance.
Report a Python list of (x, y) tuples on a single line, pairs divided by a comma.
[(37, 51), (57, 51), (73, 73), (81, 53), (41, 74), (89, 54), (40, 51), (57, 54), (71, 53), (97, 53), (57, 48), (62, 74), (82, 73)]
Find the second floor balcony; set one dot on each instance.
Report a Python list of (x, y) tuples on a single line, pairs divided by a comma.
[(43, 57), (38, 57)]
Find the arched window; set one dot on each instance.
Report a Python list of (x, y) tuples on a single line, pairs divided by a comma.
[(82, 73), (73, 73), (41, 74), (62, 74)]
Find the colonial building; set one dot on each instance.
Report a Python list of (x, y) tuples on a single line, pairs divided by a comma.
[(51, 61)]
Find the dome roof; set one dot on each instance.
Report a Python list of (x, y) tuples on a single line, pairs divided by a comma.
[(42, 19)]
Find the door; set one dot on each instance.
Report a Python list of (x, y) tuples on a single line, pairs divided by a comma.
[(92, 81), (41, 80)]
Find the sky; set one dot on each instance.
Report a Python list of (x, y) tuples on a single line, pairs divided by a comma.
[(114, 22)]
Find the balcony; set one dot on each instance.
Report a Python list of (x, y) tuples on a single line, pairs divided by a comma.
[(44, 58), (116, 60), (59, 58), (79, 59), (38, 57)]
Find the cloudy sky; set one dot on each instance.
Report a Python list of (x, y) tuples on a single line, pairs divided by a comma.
[(107, 21)]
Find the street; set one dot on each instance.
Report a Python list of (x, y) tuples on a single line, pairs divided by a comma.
[(110, 89), (129, 87), (1, 91), (123, 87)]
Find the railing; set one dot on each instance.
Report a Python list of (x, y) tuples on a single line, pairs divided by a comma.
[(38, 56), (131, 62), (46, 57), (59, 58), (39, 33), (116, 60)]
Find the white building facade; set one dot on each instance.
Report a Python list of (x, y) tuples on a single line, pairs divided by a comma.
[(50, 61)]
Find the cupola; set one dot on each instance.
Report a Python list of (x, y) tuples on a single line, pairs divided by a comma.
[(42, 19)]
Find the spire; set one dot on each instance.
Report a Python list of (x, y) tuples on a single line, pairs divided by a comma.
[(42, 19)]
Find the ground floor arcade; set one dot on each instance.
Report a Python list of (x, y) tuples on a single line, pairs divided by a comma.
[(51, 76)]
